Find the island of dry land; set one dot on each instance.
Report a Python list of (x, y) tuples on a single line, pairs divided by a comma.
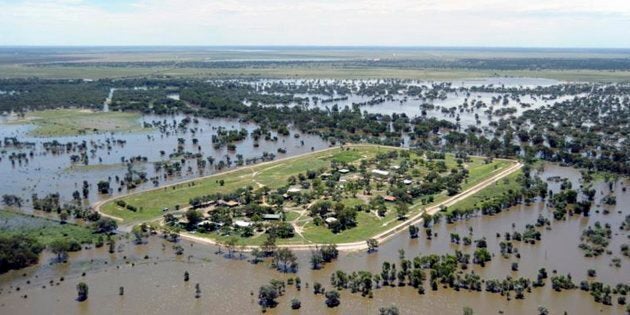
[(343, 195), (72, 122)]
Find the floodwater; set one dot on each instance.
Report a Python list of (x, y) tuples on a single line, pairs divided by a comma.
[(156, 285), (152, 275), (46, 172), (449, 107)]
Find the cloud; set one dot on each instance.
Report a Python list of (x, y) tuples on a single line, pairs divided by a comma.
[(563, 23)]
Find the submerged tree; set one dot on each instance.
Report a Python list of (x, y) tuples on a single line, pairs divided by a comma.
[(267, 295), (332, 298), (284, 259), (82, 291), (296, 304), (372, 245), (389, 310)]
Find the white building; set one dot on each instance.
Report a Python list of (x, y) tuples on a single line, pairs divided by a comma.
[(380, 172), (242, 224)]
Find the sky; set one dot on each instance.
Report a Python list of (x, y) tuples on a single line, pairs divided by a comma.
[(479, 23)]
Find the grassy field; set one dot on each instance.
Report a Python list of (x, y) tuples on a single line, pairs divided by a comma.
[(44, 230), (500, 187), (274, 175), (304, 72), (102, 167), (69, 122)]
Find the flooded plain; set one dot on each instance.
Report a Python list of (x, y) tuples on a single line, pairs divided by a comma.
[(153, 276), (44, 171), (47, 172)]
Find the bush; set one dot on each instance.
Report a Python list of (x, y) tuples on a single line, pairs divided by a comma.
[(18, 251)]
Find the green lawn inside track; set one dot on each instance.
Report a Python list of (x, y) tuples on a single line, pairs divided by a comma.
[(275, 174)]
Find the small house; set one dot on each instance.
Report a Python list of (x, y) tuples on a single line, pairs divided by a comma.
[(231, 203), (330, 220), (390, 198), (344, 171), (407, 181), (272, 216), (242, 224), (380, 172)]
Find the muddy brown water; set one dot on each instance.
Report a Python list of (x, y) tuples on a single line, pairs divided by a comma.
[(156, 285)]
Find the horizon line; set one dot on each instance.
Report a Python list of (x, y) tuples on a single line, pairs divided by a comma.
[(319, 46)]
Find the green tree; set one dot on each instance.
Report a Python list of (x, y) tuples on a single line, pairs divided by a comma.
[(60, 248), (105, 225), (18, 251), (194, 217), (401, 210)]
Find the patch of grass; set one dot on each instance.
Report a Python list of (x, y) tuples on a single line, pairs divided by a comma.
[(94, 167), (291, 215), (504, 185), (44, 230), (367, 226), (273, 174), (479, 170), (69, 122), (346, 156)]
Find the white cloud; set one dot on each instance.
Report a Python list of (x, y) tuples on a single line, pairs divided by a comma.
[(584, 23)]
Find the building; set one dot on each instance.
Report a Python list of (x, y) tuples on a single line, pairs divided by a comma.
[(344, 171), (331, 220), (390, 198), (231, 203), (380, 172), (242, 224), (407, 181), (271, 216)]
